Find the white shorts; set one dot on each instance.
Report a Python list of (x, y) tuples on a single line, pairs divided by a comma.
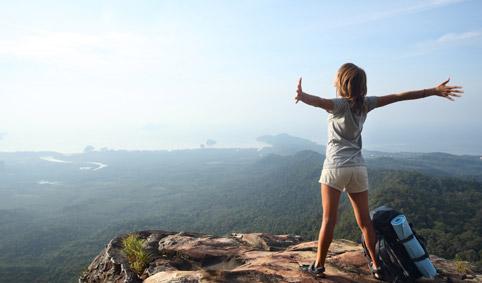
[(349, 179)]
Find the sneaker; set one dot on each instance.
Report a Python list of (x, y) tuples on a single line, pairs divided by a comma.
[(376, 271), (312, 270)]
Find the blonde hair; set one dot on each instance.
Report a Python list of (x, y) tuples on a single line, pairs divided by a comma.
[(351, 83)]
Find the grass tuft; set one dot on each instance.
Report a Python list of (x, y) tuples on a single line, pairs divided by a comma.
[(133, 248), (462, 266)]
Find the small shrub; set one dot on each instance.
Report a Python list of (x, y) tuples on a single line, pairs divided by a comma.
[(133, 248), (462, 266)]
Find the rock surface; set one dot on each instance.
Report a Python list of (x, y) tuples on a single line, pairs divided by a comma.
[(254, 257)]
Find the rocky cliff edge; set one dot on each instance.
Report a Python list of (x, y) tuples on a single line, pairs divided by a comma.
[(251, 257)]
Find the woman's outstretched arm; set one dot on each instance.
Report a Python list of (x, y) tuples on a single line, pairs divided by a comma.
[(312, 100), (442, 90)]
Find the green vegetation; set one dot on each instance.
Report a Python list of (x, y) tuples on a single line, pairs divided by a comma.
[(446, 211), (462, 266), (138, 256), (51, 232)]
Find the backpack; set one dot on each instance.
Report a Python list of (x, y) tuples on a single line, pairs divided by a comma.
[(396, 264)]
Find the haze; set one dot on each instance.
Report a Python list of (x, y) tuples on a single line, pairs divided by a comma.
[(172, 74)]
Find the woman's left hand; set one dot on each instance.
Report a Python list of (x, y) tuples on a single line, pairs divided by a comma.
[(299, 92)]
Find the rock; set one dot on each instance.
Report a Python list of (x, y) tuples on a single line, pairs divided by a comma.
[(268, 242), (111, 265), (252, 257), (177, 276)]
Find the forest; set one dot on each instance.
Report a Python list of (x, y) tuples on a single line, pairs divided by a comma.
[(55, 217)]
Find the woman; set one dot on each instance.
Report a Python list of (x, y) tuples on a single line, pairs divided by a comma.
[(344, 168)]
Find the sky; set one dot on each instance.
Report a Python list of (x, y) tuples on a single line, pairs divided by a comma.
[(147, 75)]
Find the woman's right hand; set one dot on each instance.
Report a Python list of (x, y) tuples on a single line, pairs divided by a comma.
[(447, 91), (299, 92)]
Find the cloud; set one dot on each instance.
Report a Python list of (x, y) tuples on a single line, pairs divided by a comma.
[(444, 2), (154, 127), (2, 135), (104, 52), (58, 47), (445, 40), (411, 9), (457, 37)]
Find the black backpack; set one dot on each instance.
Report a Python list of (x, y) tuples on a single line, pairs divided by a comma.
[(396, 264)]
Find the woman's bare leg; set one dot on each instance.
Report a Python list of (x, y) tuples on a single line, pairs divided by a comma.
[(359, 202), (329, 198)]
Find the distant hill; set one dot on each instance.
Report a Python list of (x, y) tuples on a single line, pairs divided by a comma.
[(435, 163), (285, 144)]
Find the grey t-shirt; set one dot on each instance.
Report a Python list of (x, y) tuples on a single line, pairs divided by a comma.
[(344, 145)]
